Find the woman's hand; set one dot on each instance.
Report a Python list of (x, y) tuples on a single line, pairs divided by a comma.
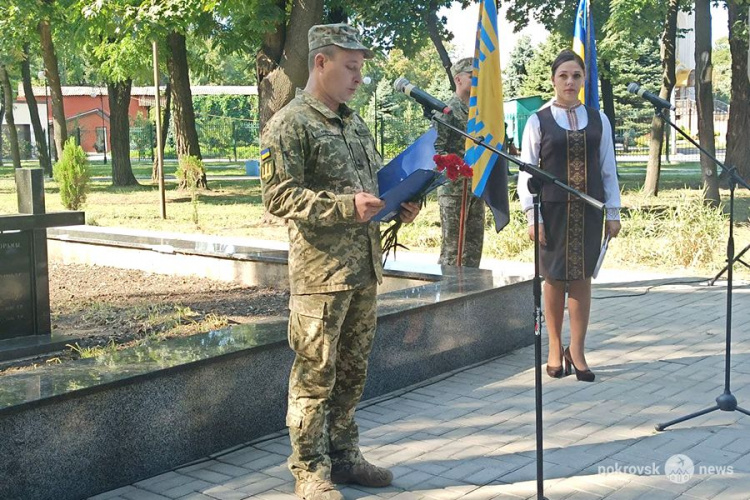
[(542, 238), (612, 228)]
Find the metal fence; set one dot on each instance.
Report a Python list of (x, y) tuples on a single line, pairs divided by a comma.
[(219, 138), (238, 139)]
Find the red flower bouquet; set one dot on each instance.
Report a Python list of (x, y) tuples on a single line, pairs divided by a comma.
[(453, 165)]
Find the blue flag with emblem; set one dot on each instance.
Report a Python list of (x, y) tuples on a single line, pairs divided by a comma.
[(584, 44), (486, 118)]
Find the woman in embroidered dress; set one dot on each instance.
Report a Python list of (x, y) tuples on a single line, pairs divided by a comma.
[(574, 143)]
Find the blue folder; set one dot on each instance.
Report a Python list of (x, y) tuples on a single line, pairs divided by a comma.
[(408, 176)]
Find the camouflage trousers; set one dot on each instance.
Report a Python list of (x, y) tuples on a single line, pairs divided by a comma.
[(450, 211), (332, 336)]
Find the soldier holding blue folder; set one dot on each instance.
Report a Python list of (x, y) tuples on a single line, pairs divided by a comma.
[(318, 169)]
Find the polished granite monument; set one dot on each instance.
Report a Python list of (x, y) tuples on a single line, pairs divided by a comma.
[(135, 413)]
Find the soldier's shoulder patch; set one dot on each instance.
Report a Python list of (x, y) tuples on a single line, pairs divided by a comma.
[(267, 168)]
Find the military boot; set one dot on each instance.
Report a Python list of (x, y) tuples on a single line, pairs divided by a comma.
[(317, 489), (362, 473)]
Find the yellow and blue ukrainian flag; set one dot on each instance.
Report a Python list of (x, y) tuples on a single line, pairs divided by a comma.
[(584, 44), (486, 118)]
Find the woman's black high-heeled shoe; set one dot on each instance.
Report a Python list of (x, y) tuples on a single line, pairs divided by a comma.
[(557, 371), (581, 375)]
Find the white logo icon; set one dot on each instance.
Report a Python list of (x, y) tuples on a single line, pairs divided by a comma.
[(679, 469)]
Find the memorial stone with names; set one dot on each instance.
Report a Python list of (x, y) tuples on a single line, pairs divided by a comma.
[(24, 272)]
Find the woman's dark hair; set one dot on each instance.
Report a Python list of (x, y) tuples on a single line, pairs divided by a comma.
[(565, 56)]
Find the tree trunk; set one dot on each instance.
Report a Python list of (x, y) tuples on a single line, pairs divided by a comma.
[(281, 62), (186, 135), (2, 113), (704, 99), (119, 125), (433, 30), (164, 128), (608, 96), (15, 152), (738, 128), (41, 140), (60, 127), (668, 37)]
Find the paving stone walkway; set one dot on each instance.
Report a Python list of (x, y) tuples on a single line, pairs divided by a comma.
[(470, 434)]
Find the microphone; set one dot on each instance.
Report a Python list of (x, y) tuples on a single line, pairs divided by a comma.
[(422, 97), (654, 99)]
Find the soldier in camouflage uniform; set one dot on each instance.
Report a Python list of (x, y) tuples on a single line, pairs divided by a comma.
[(318, 168), (449, 194)]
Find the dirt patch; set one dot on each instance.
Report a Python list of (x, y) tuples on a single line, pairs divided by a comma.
[(104, 307)]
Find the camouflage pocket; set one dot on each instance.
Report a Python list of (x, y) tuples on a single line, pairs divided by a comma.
[(294, 419), (306, 332)]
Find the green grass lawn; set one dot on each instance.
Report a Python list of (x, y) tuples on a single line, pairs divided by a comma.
[(673, 232)]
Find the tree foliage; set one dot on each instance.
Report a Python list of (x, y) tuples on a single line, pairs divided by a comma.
[(538, 79), (515, 72), (722, 74)]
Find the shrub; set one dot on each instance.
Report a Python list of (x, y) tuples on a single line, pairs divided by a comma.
[(71, 173), (189, 173), (684, 234)]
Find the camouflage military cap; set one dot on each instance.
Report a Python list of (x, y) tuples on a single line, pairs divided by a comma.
[(341, 34), (464, 65)]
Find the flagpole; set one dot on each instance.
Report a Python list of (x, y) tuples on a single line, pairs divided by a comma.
[(462, 224)]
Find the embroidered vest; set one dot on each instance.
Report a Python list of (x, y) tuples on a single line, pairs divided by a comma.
[(571, 155)]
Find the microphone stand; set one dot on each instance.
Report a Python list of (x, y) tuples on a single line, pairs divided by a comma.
[(539, 178), (726, 401)]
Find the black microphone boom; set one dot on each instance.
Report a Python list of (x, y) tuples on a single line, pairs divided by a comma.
[(654, 99), (431, 103)]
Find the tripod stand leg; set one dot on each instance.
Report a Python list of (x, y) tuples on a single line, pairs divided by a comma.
[(738, 258), (713, 280), (743, 411), (661, 427)]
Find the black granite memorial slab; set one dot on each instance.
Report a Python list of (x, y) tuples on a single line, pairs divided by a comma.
[(140, 411), (17, 290)]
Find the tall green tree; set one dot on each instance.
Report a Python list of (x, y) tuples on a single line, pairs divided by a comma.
[(738, 128), (667, 44), (9, 119), (120, 51), (12, 29), (49, 13), (639, 63), (538, 79), (175, 21), (704, 99), (630, 34), (18, 32), (186, 134), (515, 72), (281, 61), (39, 135)]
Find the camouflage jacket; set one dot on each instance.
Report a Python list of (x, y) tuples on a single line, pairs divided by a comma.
[(449, 141), (313, 162)]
